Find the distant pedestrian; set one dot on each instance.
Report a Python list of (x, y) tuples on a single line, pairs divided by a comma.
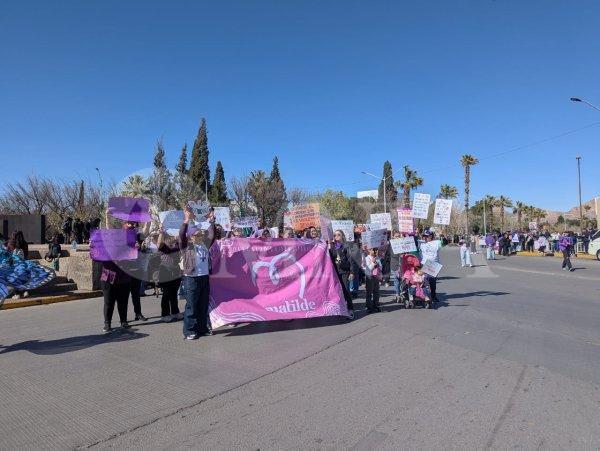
[(565, 246)]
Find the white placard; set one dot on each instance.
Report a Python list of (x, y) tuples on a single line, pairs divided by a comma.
[(533, 225), (432, 268), (374, 226), (200, 208), (247, 222), (403, 245), (171, 221), (223, 218), (374, 238), (443, 210), (420, 208), (274, 232), (346, 226), (385, 219)]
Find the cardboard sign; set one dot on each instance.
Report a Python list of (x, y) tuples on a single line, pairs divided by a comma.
[(374, 226), (405, 220), (223, 218), (443, 210), (113, 245), (374, 238), (533, 225), (385, 219), (403, 245), (346, 226), (432, 268), (130, 209), (200, 208), (304, 216), (326, 229), (171, 221), (420, 207), (247, 222)]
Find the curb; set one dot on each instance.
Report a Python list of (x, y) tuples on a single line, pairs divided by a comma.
[(556, 255), (18, 303)]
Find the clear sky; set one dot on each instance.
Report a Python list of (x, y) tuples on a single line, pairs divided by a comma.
[(331, 87)]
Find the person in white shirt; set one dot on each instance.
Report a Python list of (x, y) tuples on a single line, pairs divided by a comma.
[(430, 249), (373, 275)]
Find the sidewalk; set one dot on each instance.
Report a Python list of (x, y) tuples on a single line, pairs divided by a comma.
[(556, 255), (49, 299)]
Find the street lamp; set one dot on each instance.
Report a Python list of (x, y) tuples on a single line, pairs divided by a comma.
[(578, 158), (384, 190), (577, 99)]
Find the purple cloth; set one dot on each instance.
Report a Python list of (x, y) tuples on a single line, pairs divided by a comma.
[(113, 245), (489, 240), (564, 243), (130, 209), (338, 245)]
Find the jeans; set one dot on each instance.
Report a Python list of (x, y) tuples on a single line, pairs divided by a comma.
[(396, 282), (115, 293), (168, 302), (490, 254), (432, 281), (195, 317), (465, 256)]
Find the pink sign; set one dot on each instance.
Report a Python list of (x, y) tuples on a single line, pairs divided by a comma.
[(113, 245), (264, 280), (405, 220)]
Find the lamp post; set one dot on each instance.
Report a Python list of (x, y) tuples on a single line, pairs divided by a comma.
[(384, 190), (577, 99), (578, 158)]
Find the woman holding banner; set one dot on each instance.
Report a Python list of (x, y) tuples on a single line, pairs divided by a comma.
[(343, 266), (430, 249)]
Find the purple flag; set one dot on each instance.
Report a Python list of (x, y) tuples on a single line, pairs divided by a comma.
[(113, 245), (129, 209)]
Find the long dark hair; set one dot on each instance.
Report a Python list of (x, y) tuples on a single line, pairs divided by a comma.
[(18, 240)]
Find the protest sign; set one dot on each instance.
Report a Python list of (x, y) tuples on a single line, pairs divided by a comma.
[(326, 230), (258, 280), (346, 226), (274, 231), (374, 238), (374, 226), (200, 208), (403, 245), (222, 217), (130, 209), (420, 207), (171, 221), (442, 212), (113, 245), (405, 220), (287, 220), (247, 222), (385, 219), (304, 216), (432, 268), (533, 225)]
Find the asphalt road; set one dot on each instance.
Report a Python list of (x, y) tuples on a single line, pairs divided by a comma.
[(510, 358)]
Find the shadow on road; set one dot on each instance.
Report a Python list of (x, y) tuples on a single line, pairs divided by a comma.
[(475, 294), (264, 327), (64, 345)]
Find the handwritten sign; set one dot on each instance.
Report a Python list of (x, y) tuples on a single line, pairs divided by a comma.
[(374, 226), (247, 222), (304, 216), (223, 218), (374, 238), (171, 221), (130, 209), (346, 226), (113, 245), (405, 220), (403, 245), (432, 268), (442, 212), (533, 225), (385, 219), (200, 208), (420, 207)]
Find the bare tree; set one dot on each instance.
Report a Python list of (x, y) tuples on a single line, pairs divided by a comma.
[(240, 195)]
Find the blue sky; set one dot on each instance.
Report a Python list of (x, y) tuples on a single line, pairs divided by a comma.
[(332, 88)]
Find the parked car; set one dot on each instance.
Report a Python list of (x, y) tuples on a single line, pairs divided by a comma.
[(594, 246)]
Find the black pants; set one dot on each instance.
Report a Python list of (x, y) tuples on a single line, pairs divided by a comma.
[(168, 302), (343, 276), (372, 287), (566, 259), (195, 317), (115, 293), (135, 287), (433, 287)]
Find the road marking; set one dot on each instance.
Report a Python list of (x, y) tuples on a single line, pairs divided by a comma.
[(546, 273)]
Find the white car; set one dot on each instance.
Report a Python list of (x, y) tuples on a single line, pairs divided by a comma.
[(594, 246)]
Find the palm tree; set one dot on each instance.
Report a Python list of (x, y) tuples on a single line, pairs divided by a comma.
[(490, 203), (411, 181), (467, 161), (518, 209), (135, 186), (448, 192), (503, 202)]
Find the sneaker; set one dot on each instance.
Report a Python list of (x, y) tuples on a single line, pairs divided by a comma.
[(167, 319), (572, 269), (125, 325), (106, 328), (178, 315), (140, 317), (350, 314), (191, 337)]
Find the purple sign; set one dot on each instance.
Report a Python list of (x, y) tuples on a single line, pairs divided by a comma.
[(130, 209), (113, 245)]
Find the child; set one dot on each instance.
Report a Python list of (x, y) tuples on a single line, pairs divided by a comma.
[(373, 273), (418, 286)]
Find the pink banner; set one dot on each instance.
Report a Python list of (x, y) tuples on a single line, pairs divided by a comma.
[(113, 245), (405, 220), (264, 280)]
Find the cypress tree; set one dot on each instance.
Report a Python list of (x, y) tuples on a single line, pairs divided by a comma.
[(390, 191), (199, 169), (182, 165), (278, 195), (218, 193), (159, 156)]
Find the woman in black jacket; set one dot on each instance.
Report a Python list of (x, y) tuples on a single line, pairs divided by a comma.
[(169, 277), (338, 250)]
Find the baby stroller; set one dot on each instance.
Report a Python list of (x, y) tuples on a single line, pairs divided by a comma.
[(409, 294)]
